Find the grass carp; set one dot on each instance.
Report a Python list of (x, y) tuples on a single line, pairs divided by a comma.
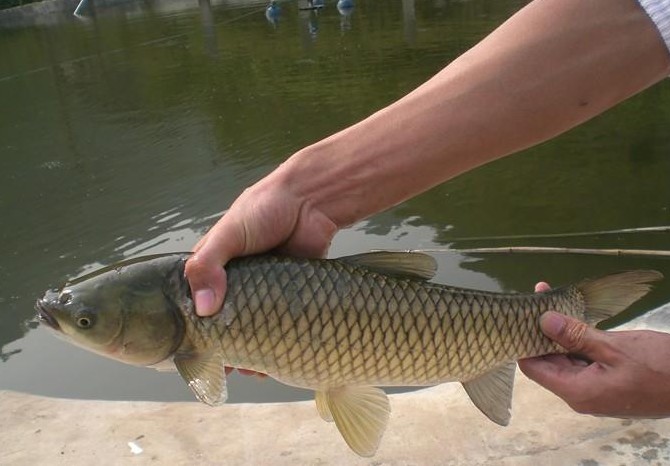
[(341, 327)]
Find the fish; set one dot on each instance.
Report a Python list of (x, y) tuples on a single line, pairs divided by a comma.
[(342, 327)]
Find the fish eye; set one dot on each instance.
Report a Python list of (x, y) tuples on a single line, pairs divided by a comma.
[(85, 320), (65, 297)]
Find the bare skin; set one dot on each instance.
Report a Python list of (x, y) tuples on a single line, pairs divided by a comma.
[(628, 374), (550, 67)]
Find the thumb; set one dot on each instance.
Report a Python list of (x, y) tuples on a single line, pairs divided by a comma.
[(204, 269), (576, 336), (207, 279)]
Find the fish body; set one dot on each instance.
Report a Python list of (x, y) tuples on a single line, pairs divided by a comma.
[(324, 324), (340, 327)]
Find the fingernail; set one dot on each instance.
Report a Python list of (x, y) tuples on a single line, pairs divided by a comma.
[(552, 324), (204, 301)]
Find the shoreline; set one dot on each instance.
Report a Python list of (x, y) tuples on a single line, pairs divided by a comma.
[(437, 425)]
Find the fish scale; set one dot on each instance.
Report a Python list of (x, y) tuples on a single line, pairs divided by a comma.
[(287, 312)]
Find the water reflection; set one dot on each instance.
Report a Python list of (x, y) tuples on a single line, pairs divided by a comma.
[(273, 12), (208, 28), (345, 8), (309, 17), (409, 20)]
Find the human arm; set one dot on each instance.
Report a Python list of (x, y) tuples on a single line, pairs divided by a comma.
[(627, 373), (551, 66)]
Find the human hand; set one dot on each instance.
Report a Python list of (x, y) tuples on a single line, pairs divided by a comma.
[(629, 374), (266, 216)]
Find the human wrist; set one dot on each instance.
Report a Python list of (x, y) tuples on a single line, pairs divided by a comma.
[(327, 177)]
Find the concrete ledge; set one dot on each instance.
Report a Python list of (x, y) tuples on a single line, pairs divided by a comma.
[(438, 425)]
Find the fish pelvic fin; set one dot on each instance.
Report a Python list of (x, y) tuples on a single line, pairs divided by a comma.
[(321, 399), (360, 414), (396, 263), (492, 393), (607, 296), (205, 375)]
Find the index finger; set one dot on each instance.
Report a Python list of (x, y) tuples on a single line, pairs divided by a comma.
[(542, 287), (561, 374)]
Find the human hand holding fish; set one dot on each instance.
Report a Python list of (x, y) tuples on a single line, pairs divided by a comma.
[(618, 373), (266, 216), (564, 69)]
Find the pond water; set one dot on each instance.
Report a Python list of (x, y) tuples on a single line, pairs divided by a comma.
[(130, 130)]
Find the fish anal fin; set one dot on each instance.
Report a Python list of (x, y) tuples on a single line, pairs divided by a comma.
[(396, 263), (492, 393), (360, 414), (205, 375)]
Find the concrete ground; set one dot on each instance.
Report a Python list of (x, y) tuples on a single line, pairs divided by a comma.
[(435, 426), (429, 427)]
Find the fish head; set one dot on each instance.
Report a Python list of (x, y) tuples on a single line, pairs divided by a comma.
[(82, 318), (124, 312)]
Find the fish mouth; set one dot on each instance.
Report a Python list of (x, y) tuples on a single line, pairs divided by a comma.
[(45, 316)]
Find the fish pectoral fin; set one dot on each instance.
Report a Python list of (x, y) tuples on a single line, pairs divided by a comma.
[(321, 399), (205, 375), (360, 414), (492, 393), (402, 264)]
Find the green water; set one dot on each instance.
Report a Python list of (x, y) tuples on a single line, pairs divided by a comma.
[(129, 132)]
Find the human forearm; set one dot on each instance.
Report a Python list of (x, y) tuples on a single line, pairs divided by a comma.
[(553, 65), (550, 67)]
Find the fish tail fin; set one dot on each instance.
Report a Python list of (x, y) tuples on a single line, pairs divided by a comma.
[(607, 296)]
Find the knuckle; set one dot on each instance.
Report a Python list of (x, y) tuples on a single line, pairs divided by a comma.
[(195, 269), (575, 335)]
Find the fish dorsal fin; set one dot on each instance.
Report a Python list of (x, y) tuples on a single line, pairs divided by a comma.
[(360, 414), (321, 399), (492, 393), (403, 264), (205, 375)]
